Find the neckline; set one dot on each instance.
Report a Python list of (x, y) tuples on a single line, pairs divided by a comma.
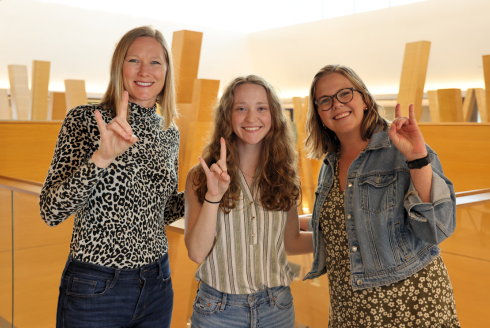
[(140, 111)]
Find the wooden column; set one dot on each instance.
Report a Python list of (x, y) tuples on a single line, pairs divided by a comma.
[(486, 77), (40, 83), (5, 111), (186, 51), (19, 92), (412, 80), (75, 93), (57, 106), (199, 123), (482, 106), (433, 106), (450, 105), (474, 96)]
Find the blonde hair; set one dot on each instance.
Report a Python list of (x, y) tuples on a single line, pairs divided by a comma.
[(320, 139), (277, 177), (115, 89)]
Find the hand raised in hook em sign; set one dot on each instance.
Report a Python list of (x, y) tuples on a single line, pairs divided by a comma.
[(217, 176), (406, 135), (115, 137)]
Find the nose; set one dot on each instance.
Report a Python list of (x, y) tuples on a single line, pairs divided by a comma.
[(336, 102), (144, 70), (251, 116)]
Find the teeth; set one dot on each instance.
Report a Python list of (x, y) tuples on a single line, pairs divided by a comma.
[(251, 129), (342, 115), (144, 84)]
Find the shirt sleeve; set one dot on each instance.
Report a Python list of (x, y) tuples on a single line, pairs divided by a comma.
[(434, 221), (72, 175)]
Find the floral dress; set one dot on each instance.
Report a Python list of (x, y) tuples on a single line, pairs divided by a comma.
[(423, 300)]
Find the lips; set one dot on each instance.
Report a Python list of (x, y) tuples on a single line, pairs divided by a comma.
[(251, 128), (342, 115), (143, 84)]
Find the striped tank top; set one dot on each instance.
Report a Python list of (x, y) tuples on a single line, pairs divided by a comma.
[(248, 253)]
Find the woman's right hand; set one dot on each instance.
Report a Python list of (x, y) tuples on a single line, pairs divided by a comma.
[(217, 177), (115, 137)]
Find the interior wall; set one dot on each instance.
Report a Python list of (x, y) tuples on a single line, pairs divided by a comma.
[(80, 42), (373, 44)]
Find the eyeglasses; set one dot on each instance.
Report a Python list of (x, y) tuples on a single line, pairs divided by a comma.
[(344, 96)]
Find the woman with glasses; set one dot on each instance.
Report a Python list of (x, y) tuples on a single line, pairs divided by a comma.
[(382, 207)]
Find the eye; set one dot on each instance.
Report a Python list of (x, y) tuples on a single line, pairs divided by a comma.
[(155, 62), (261, 109), (132, 61), (325, 101), (240, 109)]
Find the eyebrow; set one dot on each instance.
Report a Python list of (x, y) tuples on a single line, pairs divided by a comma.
[(244, 103), (334, 93)]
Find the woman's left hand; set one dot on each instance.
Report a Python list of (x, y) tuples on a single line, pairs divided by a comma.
[(406, 135)]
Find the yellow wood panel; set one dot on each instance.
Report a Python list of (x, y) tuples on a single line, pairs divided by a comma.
[(450, 105), (5, 111), (200, 123), (6, 254), (412, 80), (469, 105), (468, 278), (482, 106), (186, 52), (433, 106), (40, 82), (19, 91), (183, 281), (27, 148), (183, 125), (464, 151), (57, 106), (75, 93), (486, 77)]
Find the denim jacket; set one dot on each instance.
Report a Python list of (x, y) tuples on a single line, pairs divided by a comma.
[(392, 234)]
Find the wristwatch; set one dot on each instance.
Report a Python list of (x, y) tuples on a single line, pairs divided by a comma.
[(419, 163)]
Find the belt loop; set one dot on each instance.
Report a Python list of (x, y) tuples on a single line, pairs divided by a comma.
[(160, 272), (116, 275), (68, 261), (271, 298), (223, 302)]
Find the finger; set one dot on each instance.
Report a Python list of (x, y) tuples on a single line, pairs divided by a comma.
[(411, 114), (100, 122), (224, 176), (124, 124), (123, 106), (204, 166), (223, 151), (116, 128), (401, 121), (398, 110), (216, 169)]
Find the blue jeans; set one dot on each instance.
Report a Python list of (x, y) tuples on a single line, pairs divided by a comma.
[(93, 296), (269, 308)]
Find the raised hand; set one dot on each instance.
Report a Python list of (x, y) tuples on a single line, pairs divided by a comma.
[(217, 177), (115, 137), (406, 135)]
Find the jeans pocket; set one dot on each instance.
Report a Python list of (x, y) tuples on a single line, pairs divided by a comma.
[(87, 286), (284, 298), (205, 306)]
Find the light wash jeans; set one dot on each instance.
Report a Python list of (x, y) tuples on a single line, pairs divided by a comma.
[(271, 308)]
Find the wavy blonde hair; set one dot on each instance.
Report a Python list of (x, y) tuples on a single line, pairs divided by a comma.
[(320, 139), (277, 177), (166, 98)]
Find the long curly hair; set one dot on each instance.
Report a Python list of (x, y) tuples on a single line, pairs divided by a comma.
[(277, 176), (322, 140)]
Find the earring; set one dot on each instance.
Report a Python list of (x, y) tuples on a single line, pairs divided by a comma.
[(324, 125), (365, 109)]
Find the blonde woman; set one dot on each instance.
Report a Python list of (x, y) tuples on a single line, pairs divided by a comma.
[(116, 167), (241, 212)]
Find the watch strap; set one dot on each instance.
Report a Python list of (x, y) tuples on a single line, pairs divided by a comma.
[(419, 163)]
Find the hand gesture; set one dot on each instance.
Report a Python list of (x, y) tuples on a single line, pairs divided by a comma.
[(217, 177), (406, 136), (115, 137)]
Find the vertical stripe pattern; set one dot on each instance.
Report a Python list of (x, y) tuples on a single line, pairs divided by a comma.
[(248, 254)]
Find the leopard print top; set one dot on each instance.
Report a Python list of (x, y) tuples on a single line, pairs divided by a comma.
[(120, 211)]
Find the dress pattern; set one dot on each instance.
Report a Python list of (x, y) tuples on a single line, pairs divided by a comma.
[(423, 300)]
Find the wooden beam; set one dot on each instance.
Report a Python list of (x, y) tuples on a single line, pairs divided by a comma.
[(469, 105), (186, 52), (20, 96), (433, 106), (486, 77), (75, 93), (5, 111), (57, 106), (450, 105), (482, 106), (413, 75), (40, 83)]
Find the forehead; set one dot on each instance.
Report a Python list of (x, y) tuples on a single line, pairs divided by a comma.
[(330, 84), (146, 45), (250, 92)]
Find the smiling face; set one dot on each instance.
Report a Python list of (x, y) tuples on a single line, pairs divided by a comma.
[(342, 119), (251, 116), (144, 71)]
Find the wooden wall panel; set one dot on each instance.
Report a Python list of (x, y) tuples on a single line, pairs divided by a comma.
[(482, 106), (27, 148), (5, 111), (450, 105), (412, 80), (19, 92), (486, 77), (200, 123), (6, 260), (57, 106), (40, 83), (186, 52), (185, 112), (433, 106), (75, 93), (469, 105)]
